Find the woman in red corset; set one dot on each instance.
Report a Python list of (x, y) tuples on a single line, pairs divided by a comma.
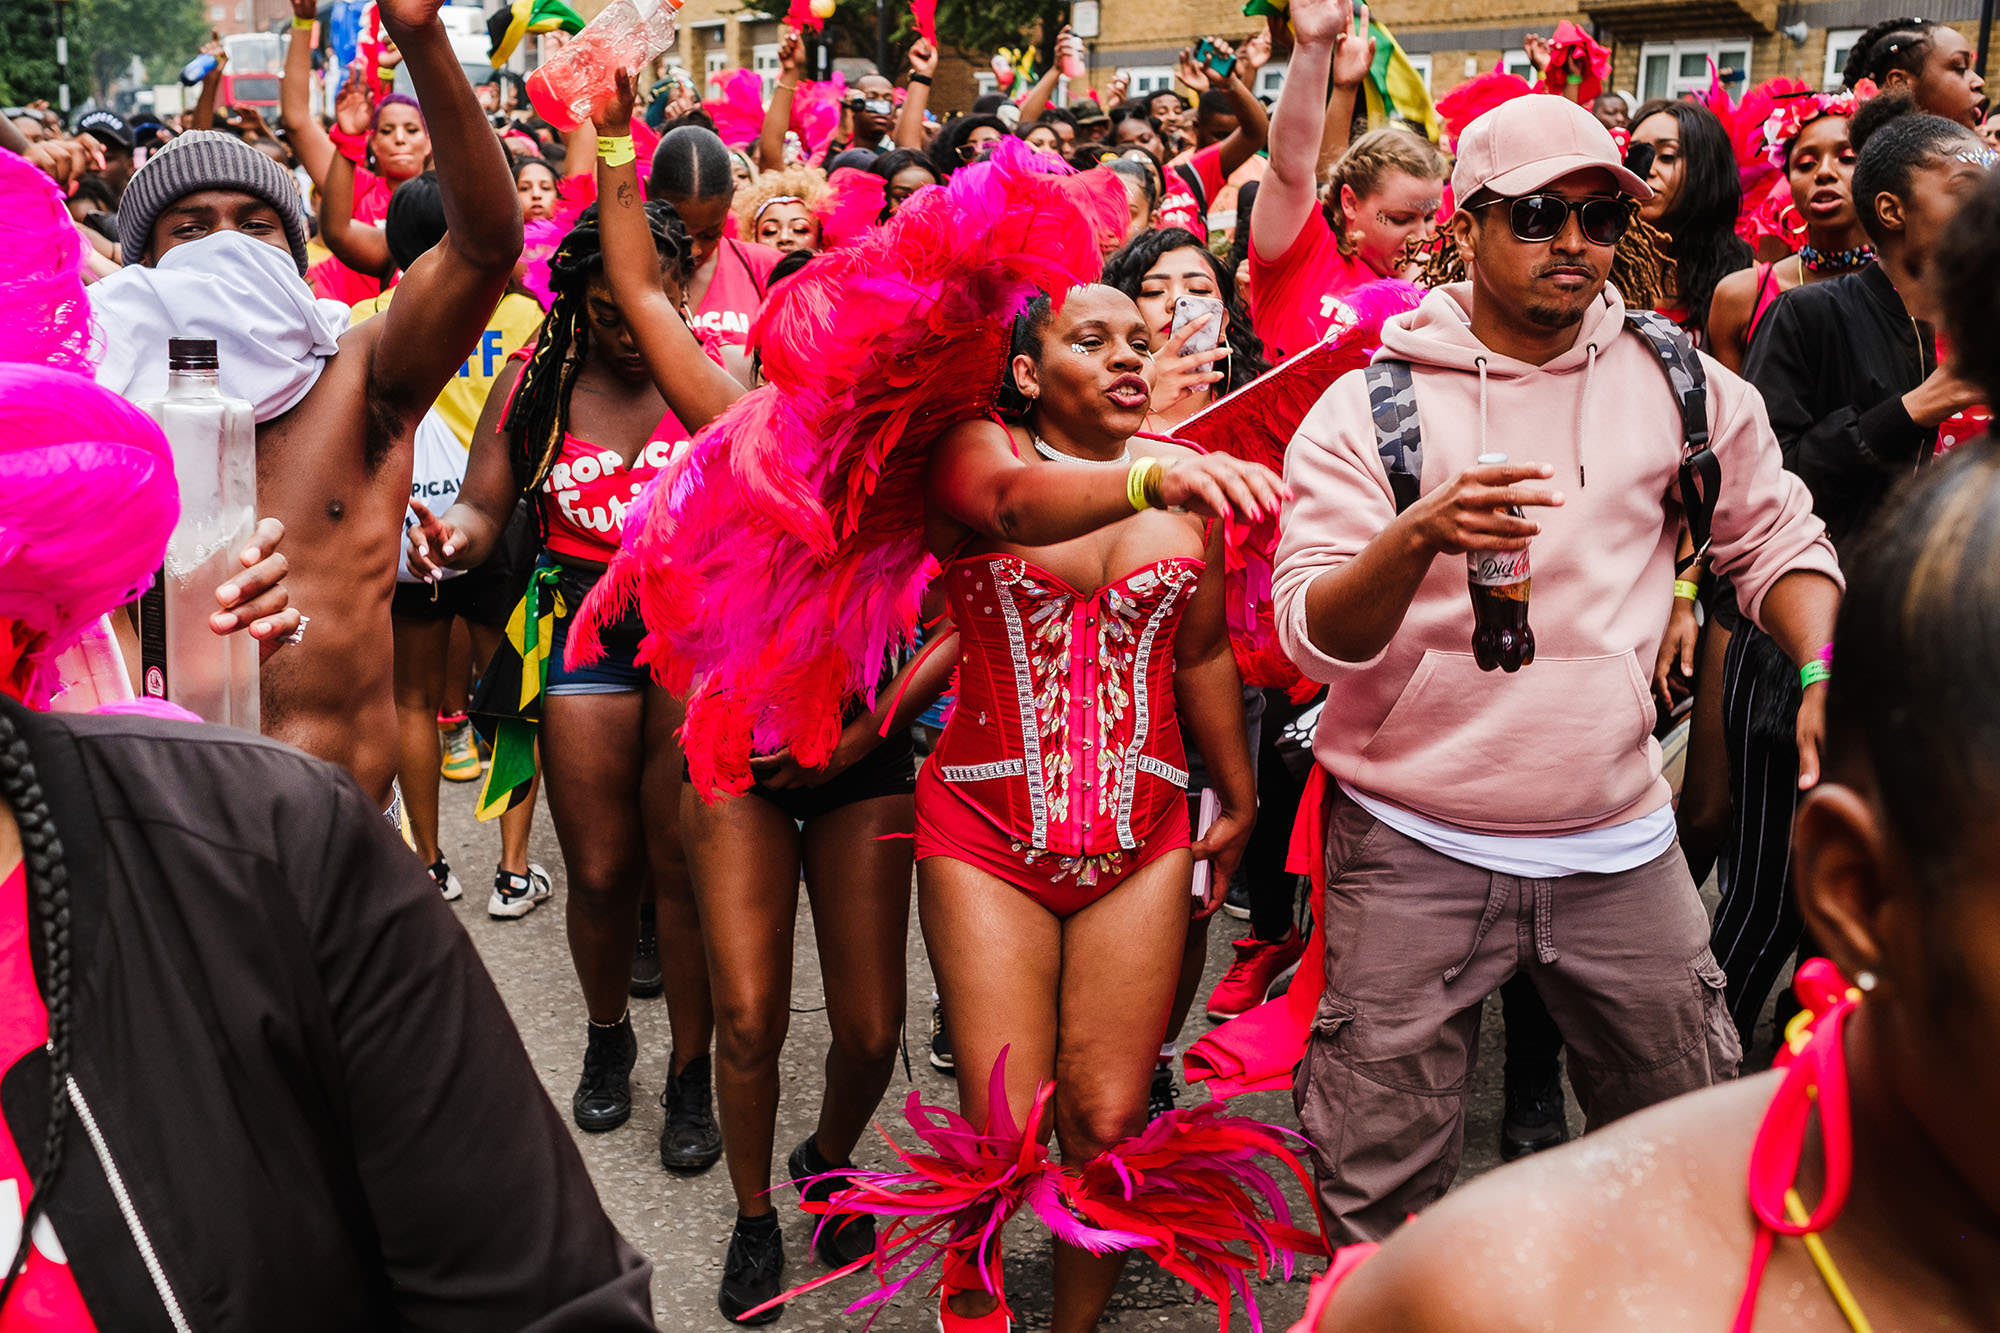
[(1084, 572)]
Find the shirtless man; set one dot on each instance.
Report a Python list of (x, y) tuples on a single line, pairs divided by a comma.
[(334, 464)]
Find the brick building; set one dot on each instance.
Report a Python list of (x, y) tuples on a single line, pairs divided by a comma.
[(1659, 47)]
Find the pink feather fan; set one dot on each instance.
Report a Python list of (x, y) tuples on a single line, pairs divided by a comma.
[(738, 107), (781, 563)]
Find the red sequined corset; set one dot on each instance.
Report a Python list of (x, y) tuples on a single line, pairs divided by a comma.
[(1075, 689)]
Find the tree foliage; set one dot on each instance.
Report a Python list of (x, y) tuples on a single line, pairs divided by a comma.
[(104, 36)]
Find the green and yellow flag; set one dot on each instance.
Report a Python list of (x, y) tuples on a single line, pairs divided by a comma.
[(507, 708), (1396, 91), (505, 29)]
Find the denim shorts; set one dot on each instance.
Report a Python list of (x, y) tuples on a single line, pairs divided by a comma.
[(615, 672)]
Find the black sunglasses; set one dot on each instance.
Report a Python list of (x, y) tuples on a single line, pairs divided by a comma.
[(1537, 218)]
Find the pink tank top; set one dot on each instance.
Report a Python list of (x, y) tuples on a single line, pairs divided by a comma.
[(736, 293), (590, 489)]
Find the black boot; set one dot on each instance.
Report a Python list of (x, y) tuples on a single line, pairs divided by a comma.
[(646, 981), (838, 1238), (604, 1094), (690, 1140), (752, 1269), (1534, 1119)]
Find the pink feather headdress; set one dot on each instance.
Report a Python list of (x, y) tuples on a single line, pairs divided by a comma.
[(781, 562)]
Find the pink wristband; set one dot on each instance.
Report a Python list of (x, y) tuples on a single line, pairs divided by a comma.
[(353, 147)]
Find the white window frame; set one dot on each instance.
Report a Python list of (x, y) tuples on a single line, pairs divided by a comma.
[(1517, 62), (1144, 80), (984, 82), (1839, 45), (714, 64), (1271, 78), (1719, 49), (1422, 65), (764, 60)]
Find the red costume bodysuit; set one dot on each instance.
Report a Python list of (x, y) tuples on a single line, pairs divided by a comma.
[(1061, 770)]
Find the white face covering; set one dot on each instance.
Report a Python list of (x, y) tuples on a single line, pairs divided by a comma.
[(271, 336)]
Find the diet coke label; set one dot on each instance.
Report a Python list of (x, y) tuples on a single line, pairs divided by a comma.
[(1496, 569)]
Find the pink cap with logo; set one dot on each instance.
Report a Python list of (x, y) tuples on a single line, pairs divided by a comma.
[(1529, 142)]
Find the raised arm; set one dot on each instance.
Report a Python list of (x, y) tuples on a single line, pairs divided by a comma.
[(211, 83), (1351, 61), (362, 248), (1291, 191), (1253, 125), (310, 144), (909, 131), (695, 387), (778, 111), (1036, 99), (448, 295)]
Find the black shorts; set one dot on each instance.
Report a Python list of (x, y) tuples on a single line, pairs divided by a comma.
[(890, 769)]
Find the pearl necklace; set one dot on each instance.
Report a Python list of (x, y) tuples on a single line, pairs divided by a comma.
[(1055, 455), (1816, 261)]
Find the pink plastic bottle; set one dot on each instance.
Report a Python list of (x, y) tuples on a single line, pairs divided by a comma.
[(573, 85)]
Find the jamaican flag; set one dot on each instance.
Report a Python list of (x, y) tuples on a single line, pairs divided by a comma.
[(506, 28), (507, 708), (1395, 91)]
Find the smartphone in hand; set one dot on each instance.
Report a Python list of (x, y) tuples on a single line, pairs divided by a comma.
[(1189, 309)]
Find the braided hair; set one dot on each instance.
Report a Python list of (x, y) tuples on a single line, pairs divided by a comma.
[(1640, 269), (48, 896), (538, 417), (1901, 43)]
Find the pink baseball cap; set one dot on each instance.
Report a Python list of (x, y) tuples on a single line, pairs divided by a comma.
[(1525, 143)]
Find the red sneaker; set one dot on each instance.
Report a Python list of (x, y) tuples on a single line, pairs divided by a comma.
[(1257, 962), (961, 1277)]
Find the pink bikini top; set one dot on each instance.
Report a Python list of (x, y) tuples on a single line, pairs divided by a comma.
[(1071, 691)]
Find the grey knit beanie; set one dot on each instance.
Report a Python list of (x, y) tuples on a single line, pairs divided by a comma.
[(206, 160)]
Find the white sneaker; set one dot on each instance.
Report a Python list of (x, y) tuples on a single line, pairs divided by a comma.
[(518, 895), (447, 882)]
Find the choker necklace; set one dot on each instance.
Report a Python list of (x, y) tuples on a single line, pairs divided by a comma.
[(1816, 261), (1055, 455)]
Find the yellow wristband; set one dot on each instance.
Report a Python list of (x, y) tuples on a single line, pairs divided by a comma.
[(301, 25), (1142, 484), (615, 150), (1687, 589)]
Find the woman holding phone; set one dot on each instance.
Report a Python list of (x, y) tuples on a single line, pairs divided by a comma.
[(1188, 299)]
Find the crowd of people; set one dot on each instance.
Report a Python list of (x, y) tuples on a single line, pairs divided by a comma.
[(1058, 505)]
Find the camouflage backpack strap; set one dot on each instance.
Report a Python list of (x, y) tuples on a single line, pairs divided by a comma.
[(1701, 471), (1392, 401)]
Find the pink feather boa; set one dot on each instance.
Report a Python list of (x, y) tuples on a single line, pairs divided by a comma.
[(781, 563)]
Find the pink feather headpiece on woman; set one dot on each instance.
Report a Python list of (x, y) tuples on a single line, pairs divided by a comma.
[(781, 562)]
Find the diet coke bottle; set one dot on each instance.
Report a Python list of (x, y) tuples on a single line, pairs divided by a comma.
[(1498, 582)]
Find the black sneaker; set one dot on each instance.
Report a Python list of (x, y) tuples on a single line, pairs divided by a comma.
[(838, 1238), (1534, 1120), (941, 1056), (1165, 1095), (690, 1140), (447, 883), (1237, 901), (646, 982), (604, 1094), (751, 1271)]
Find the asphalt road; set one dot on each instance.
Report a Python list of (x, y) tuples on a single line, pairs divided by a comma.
[(683, 1224)]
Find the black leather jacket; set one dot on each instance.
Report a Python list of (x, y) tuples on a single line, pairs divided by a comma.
[(298, 1100)]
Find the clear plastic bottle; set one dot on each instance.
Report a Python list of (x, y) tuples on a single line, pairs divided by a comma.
[(214, 439), (573, 85)]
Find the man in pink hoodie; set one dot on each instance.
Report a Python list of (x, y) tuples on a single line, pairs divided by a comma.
[(1482, 823)]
